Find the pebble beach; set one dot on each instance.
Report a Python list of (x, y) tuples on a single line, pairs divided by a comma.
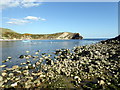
[(95, 66)]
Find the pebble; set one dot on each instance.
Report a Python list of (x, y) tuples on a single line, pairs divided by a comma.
[(101, 82), (3, 66), (4, 74), (27, 51), (15, 67), (14, 84), (1, 78), (36, 53)]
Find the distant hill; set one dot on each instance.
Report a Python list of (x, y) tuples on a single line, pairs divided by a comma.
[(4, 30), (10, 34)]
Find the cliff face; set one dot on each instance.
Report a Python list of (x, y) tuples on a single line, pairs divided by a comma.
[(77, 36), (67, 35), (10, 34)]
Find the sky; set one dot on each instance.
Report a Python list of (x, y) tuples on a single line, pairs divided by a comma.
[(90, 19)]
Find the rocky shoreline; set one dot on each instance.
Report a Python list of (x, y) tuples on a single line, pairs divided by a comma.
[(95, 66)]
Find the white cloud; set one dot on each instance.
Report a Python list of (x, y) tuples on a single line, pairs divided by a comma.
[(17, 21), (43, 19), (30, 4), (21, 3), (32, 18), (25, 20)]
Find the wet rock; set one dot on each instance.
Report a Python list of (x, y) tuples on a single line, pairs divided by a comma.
[(27, 62), (36, 53), (27, 51), (27, 57), (49, 61), (2, 66), (38, 50), (5, 61), (21, 56), (9, 58)]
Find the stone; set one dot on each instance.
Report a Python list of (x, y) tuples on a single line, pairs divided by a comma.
[(27, 57), (14, 84), (36, 53), (1, 78), (4, 74), (9, 58), (27, 51), (30, 78), (38, 50), (3, 66), (26, 67), (1, 83), (11, 74), (77, 78), (21, 56), (15, 67), (101, 82), (26, 72), (27, 62), (41, 76)]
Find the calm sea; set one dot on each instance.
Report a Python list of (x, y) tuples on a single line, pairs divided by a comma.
[(16, 48)]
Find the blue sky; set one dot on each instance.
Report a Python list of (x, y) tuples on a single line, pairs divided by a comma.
[(90, 19)]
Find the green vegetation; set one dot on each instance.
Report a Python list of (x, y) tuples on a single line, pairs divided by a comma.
[(9, 34), (4, 30)]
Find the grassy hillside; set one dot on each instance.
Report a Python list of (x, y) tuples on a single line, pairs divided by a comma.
[(4, 30), (9, 34)]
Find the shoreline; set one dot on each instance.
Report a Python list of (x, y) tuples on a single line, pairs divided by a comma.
[(85, 67), (54, 39)]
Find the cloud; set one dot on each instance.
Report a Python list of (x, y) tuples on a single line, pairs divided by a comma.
[(25, 20), (34, 18), (43, 19), (19, 3), (17, 21)]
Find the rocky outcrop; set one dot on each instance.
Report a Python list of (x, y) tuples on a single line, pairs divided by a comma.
[(68, 35), (77, 36)]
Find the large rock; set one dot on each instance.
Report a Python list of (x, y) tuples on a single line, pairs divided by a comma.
[(77, 36)]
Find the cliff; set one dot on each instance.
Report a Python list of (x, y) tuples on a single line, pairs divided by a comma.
[(10, 34)]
